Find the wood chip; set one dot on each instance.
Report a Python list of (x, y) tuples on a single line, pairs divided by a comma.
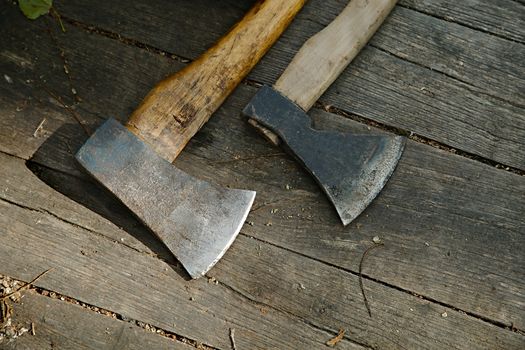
[(333, 342), (39, 127), (232, 338), (33, 329)]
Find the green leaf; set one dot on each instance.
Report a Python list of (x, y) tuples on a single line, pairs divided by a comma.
[(35, 8)]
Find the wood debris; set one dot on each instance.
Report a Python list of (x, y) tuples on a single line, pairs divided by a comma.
[(25, 286), (333, 342), (10, 292), (380, 244), (39, 128), (232, 338)]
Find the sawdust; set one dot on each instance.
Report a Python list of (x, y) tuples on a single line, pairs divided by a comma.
[(10, 292)]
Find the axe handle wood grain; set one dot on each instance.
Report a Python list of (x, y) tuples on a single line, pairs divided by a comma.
[(178, 106), (326, 54)]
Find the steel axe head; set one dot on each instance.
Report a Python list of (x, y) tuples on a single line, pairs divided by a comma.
[(196, 220), (350, 168)]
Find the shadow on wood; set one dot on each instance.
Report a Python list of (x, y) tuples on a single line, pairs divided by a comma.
[(81, 188)]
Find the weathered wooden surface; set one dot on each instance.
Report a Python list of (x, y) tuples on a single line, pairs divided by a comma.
[(62, 325), (295, 283), (505, 18), (436, 78), (272, 297)]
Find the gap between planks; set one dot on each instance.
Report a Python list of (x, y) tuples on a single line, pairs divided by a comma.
[(363, 120), (451, 20), (406, 291), (417, 138), (468, 85), (114, 315)]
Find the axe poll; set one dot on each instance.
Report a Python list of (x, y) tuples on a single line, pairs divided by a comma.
[(196, 220), (351, 169)]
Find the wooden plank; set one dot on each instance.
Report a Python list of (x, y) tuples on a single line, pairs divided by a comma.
[(332, 297), (505, 18), (420, 66), (63, 325), (420, 205), (272, 297), (220, 147), (489, 63)]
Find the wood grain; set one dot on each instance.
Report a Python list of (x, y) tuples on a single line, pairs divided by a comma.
[(272, 297), (95, 269), (505, 18), (213, 156), (326, 54), (469, 214), (178, 106), (471, 107), (62, 325), (473, 57)]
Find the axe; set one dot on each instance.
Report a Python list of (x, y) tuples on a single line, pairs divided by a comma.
[(196, 220), (351, 169)]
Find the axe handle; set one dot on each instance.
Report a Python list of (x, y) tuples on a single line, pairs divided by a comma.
[(326, 54), (176, 108)]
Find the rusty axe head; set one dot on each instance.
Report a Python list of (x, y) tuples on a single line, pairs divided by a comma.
[(350, 168), (196, 220)]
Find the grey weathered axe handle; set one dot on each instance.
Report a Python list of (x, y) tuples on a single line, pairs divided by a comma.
[(326, 54)]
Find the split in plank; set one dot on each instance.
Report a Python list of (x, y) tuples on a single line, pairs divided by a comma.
[(63, 325)]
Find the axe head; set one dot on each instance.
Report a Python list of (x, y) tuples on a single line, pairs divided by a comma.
[(350, 168), (196, 220)]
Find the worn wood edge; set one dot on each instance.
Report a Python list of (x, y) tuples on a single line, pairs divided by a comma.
[(62, 324)]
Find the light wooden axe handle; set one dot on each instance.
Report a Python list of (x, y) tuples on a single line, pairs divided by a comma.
[(178, 106), (326, 54)]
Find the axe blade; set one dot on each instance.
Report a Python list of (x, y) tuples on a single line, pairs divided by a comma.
[(350, 168), (196, 220)]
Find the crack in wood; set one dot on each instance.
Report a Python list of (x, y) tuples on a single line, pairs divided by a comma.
[(124, 40), (469, 86), (386, 284), (419, 138), (451, 20), (111, 314)]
